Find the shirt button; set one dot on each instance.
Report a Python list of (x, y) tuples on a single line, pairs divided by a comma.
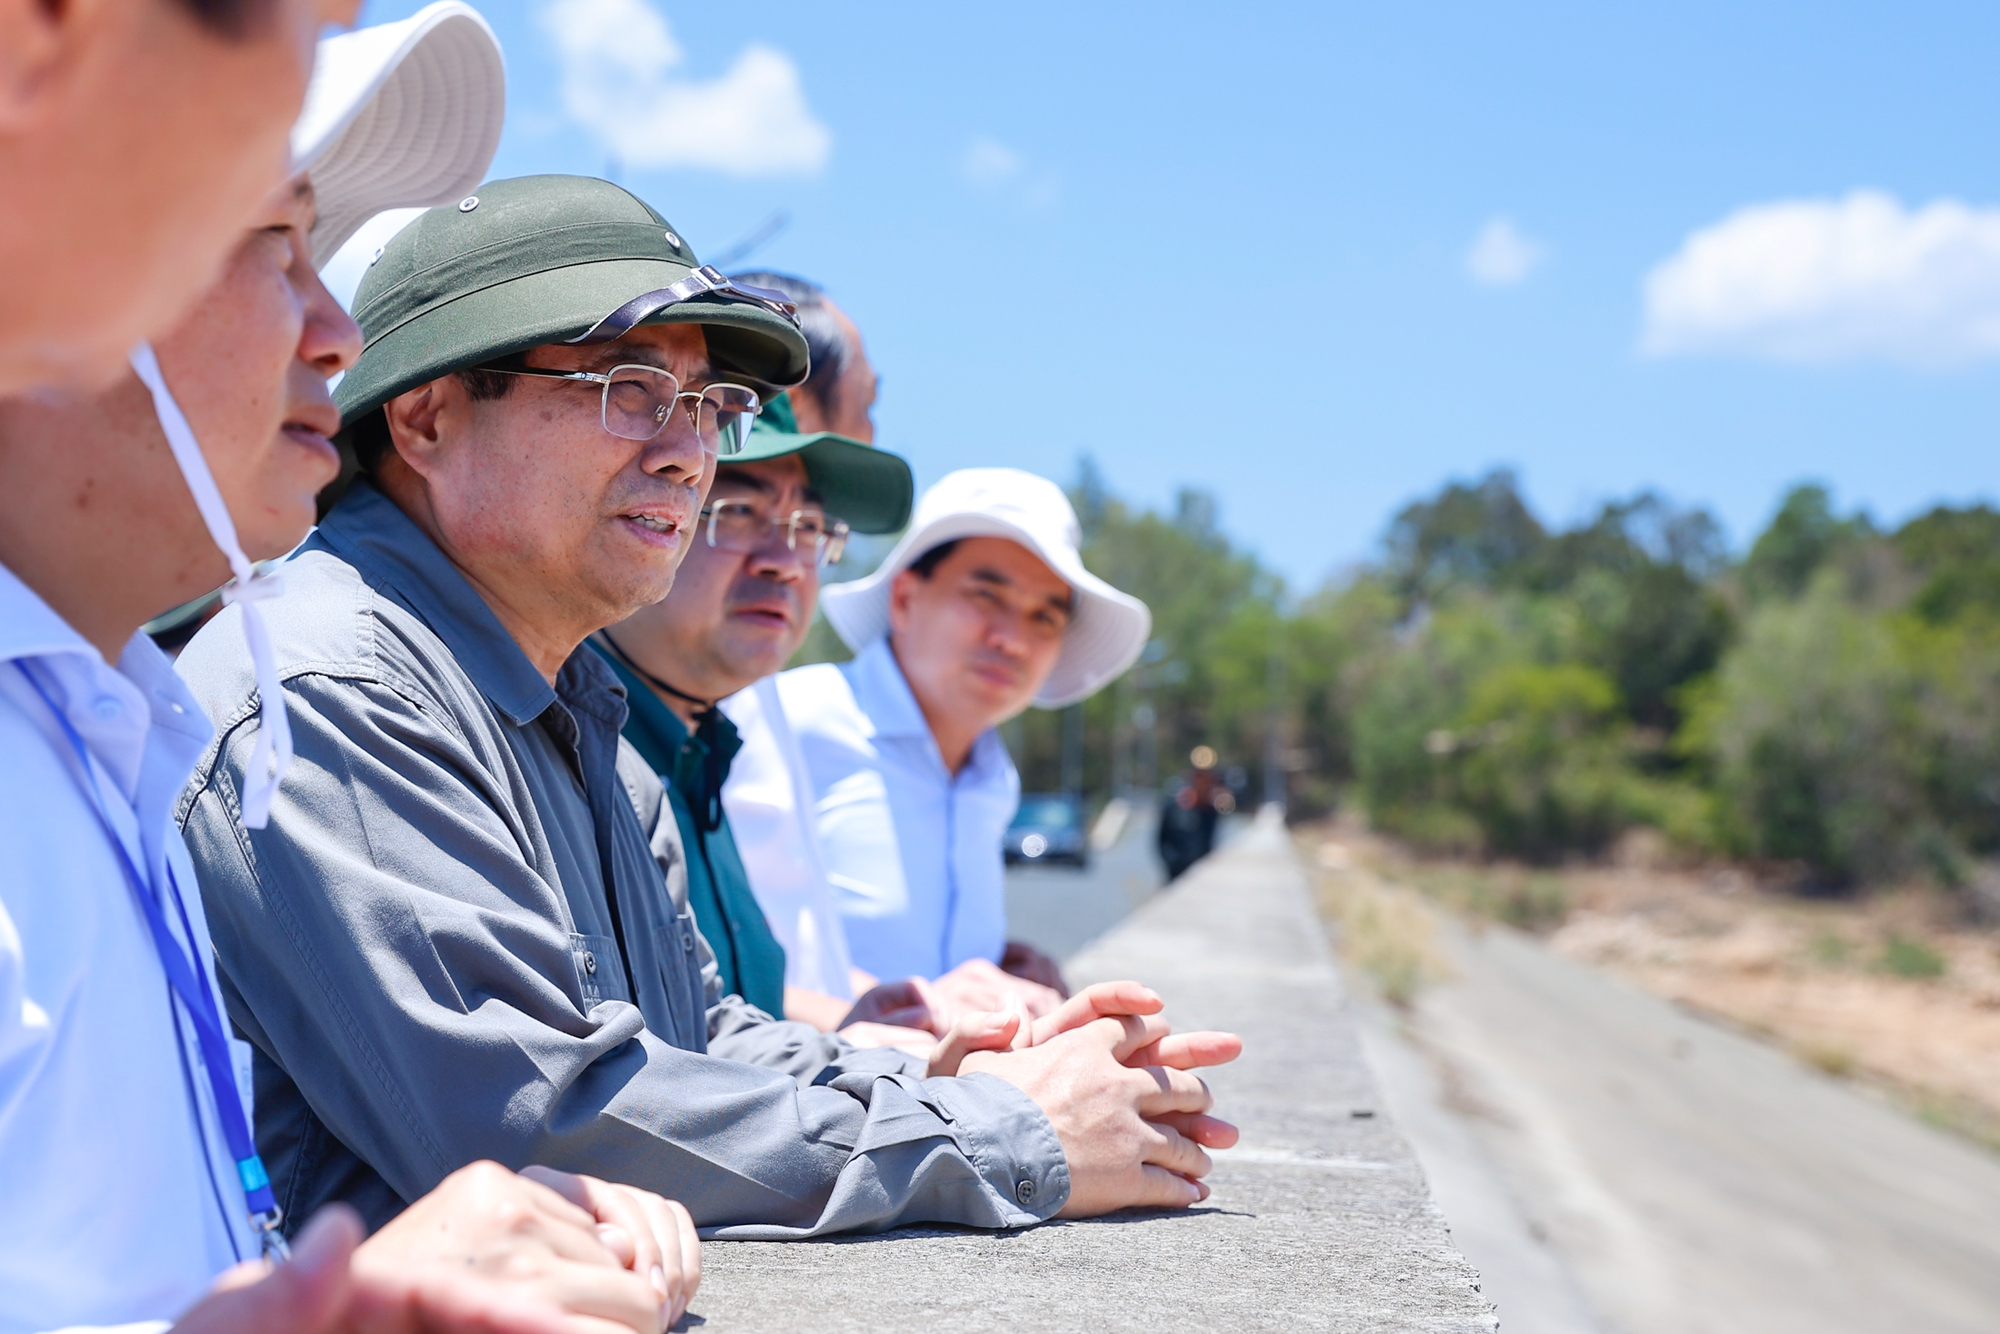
[(107, 709), (590, 964), (687, 939), (1024, 1191)]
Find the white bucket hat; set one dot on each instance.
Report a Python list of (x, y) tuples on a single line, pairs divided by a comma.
[(1107, 628), (401, 115), (398, 115)]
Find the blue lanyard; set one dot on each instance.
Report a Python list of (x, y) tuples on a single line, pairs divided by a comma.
[(190, 982)]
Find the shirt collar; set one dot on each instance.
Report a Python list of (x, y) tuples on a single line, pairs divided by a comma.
[(650, 726), (31, 628), (369, 532), (884, 694), (656, 731)]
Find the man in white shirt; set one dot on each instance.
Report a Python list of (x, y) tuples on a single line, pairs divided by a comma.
[(131, 1179), (983, 607)]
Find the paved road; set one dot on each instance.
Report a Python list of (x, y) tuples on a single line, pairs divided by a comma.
[(1611, 1163), (1059, 910)]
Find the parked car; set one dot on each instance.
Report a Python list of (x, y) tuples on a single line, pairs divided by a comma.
[(1049, 827)]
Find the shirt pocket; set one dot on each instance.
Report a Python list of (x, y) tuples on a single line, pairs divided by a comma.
[(680, 972), (600, 976)]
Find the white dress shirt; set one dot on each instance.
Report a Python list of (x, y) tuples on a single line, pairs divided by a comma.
[(912, 850), (121, 1202), (780, 850)]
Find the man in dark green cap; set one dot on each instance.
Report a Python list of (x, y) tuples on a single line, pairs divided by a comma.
[(464, 930), (779, 512)]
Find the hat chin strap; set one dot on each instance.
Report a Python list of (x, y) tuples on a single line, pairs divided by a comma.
[(706, 281), (271, 755)]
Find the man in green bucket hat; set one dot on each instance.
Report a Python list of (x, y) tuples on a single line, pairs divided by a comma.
[(464, 931)]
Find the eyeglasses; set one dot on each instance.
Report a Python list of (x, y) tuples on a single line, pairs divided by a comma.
[(738, 525), (638, 400)]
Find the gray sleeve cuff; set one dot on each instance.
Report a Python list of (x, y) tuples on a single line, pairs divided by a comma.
[(1009, 1141)]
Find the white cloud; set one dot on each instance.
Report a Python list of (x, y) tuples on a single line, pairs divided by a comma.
[(618, 60), (1500, 256), (988, 162), (990, 166), (1819, 280)]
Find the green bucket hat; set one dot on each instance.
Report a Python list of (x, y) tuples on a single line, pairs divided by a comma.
[(868, 488), (548, 259)]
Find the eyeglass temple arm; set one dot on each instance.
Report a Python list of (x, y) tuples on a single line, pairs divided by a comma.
[(704, 281), (545, 373)]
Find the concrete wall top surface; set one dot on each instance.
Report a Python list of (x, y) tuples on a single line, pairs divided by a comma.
[(1320, 1218)]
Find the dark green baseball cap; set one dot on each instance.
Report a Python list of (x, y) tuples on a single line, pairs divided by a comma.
[(869, 489), (548, 259)]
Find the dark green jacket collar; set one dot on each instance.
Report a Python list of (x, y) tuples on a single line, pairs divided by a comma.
[(749, 956)]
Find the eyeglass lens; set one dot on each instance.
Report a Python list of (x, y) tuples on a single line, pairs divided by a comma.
[(639, 400), (736, 525)]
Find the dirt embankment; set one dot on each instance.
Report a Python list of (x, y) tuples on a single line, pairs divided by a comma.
[(1892, 989)]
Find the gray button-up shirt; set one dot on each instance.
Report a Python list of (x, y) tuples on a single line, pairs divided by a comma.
[(464, 934)]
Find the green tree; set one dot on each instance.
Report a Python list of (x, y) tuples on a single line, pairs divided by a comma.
[(1538, 759), (1802, 537), (1813, 734), (1956, 553), (1494, 684), (1472, 534), (1955, 672)]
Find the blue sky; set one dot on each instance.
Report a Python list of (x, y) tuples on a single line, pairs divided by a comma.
[(1239, 247)]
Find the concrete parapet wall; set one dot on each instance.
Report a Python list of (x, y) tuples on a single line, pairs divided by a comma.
[(1320, 1219)]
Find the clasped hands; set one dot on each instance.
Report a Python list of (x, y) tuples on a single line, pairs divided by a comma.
[(487, 1252), (1116, 1083), (912, 1012)]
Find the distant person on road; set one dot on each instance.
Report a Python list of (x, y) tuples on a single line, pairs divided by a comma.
[(742, 602), (1188, 815), (982, 608)]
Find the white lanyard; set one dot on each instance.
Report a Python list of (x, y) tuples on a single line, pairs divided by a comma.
[(271, 754)]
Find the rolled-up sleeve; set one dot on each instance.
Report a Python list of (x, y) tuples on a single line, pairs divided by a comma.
[(388, 944)]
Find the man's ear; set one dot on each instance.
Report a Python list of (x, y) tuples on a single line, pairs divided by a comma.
[(902, 591), (415, 428), (38, 41)]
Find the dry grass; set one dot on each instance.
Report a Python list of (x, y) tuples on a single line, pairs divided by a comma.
[(1386, 932), (1892, 990), (1829, 1057)]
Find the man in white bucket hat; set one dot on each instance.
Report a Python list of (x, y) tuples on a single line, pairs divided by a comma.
[(132, 1178), (983, 607)]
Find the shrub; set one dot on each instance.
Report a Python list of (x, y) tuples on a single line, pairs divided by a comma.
[(1956, 678), (1812, 736), (1415, 689), (1541, 769), (1911, 958)]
